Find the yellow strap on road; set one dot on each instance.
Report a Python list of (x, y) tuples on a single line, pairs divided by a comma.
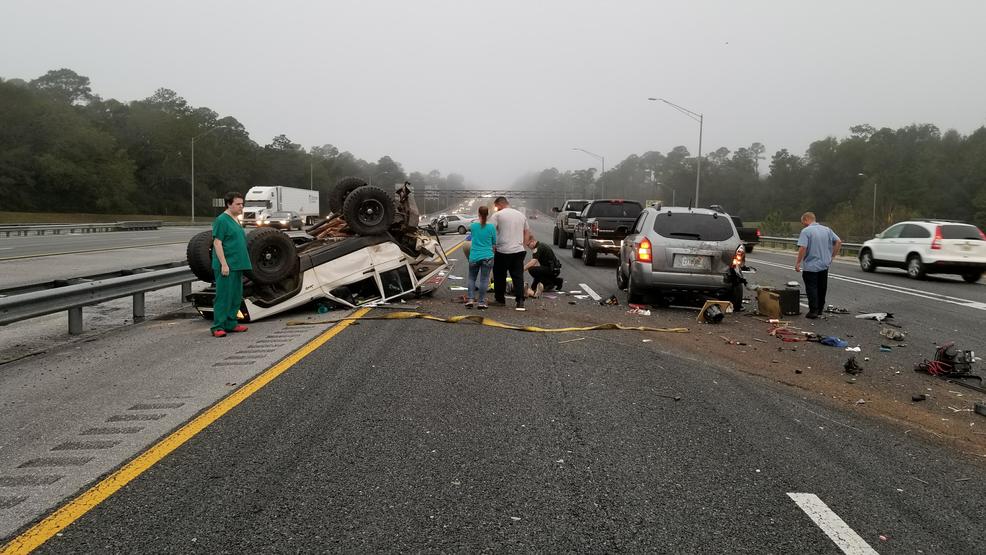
[(492, 323)]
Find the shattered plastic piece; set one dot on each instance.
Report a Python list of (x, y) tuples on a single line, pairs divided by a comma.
[(852, 367), (861, 401), (639, 311), (581, 297), (878, 316), (855, 349), (713, 314), (456, 288), (611, 301), (832, 309), (885, 349)]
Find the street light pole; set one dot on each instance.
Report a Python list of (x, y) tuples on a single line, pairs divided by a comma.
[(701, 122), (193, 164), (602, 161)]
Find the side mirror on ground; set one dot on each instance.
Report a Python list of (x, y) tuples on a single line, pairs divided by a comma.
[(555, 209)]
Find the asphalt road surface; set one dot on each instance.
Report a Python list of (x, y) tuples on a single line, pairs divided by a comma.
[(413, 435)]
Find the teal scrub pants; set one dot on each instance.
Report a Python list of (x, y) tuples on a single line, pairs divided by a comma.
[(229, 296)]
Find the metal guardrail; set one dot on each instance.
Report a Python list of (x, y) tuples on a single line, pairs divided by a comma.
[(848, 249), (58, 229), (73, 298)]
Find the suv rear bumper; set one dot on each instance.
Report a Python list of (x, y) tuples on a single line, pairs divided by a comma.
[(955, 266), (646, 278)]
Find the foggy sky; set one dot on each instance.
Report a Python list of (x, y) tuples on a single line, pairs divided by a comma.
[(492, 90)]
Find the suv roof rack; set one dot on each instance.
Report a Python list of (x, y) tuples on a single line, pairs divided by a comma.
[(938, 220)]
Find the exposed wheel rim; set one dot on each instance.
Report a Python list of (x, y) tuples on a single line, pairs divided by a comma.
[(370, 212), (270, 257), (914, 267), (866, 261)]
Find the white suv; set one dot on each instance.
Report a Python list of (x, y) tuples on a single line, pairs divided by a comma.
[(928, 247)]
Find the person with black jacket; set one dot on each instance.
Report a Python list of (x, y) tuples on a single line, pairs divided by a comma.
[(544, 267)]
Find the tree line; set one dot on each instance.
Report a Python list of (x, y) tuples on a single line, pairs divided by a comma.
[(65, 149), (916, 171)]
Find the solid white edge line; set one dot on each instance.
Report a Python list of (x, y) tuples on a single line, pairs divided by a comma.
[(834, 527), (894, 288), (595, 296)]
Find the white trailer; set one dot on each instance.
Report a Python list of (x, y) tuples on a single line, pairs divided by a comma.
[(261, 201)]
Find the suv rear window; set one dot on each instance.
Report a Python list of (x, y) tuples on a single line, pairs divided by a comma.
[(576, 206), (698, 227), (615, 210), (960, 231)]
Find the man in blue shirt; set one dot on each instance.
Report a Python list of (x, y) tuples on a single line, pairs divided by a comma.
[(817, 245)]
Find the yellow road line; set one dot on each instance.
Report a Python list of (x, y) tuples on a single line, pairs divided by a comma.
[(41, 255), (76, 508), (450, 251)]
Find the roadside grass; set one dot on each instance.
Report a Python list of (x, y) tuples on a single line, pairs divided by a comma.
[(76, 218)]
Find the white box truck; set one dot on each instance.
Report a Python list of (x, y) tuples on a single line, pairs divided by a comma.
[(260, 202)]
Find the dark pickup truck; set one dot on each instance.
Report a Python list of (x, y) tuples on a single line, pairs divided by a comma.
[(601, 227), (749, 235)]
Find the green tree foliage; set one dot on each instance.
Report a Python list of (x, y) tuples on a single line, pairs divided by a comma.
[(63, 148)]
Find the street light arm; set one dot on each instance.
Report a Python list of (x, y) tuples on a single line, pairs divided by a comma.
[(200, 135), (694, 115)]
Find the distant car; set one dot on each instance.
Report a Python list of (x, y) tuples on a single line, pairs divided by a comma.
[(682, 251), (928, 247), (282, 220), (452, 223)]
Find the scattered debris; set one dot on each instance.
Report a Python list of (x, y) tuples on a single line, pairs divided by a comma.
[(759, 340), (713, 312), (885, 349), (572, 302), (675, 397), (833, 341), (798, 371), (639, 311), (582, 297), (647, 340), (611, 301), (855, 349), (861, 401), (832, 309), (852, 367), (878, 316), (892, 334), (730, 341), (457, 288), (570, 340), (918, 397), (455, 277)]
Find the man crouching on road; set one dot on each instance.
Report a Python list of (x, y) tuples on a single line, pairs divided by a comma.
[(544, 268), (229, 260)]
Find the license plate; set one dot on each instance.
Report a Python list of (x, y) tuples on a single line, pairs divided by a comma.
[(966, 248), (692, 262)]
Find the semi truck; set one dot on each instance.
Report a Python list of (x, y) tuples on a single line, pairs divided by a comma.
[(260, 202)]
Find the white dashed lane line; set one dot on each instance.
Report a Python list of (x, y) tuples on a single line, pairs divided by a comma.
[(834, 527)]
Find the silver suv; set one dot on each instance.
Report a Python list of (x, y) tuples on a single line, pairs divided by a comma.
[(679, 251)]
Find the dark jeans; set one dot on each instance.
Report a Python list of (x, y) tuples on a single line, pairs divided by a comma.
[(548, 276), (514, 264), (816, 284)]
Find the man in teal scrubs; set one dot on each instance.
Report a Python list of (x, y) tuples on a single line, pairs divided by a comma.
[(229, 260)]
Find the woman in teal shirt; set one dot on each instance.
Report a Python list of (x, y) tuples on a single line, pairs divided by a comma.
[(480, 259)]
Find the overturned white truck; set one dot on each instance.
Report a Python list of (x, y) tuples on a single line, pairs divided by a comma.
[(369, 250)]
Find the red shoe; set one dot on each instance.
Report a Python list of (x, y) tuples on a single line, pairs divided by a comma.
[(219, 333), (239, 328)]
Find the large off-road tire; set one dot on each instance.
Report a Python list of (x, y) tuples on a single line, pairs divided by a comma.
[(337, 196), (589, 257), (199, 256), (562, 239), (272, 255), (866, 261), (915, 267), (369, 210), (554, 236)]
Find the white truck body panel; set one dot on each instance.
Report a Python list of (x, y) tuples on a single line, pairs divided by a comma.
[(261, 201)]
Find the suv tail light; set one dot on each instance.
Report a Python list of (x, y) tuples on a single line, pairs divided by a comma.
[(595, 228), (644, 252), (758, 233), (739, 259), (936, 242), (981, 234)]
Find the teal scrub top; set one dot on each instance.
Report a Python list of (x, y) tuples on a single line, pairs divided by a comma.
[(228, 230)]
